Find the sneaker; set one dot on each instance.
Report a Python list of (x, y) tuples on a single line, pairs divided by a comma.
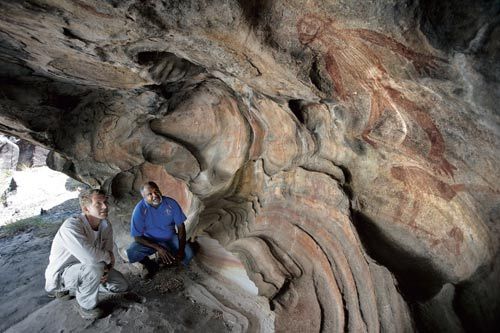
[(195, 246), (63, 295), (149, 272), (90, 314), (134, 297)]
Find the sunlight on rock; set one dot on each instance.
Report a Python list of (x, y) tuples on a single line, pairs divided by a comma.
[(222, 262)]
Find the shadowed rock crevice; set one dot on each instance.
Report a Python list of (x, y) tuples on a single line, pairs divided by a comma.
[(296, 107), (469, 27), (417, 279), (319, 77), (166, 68), (453, 26)]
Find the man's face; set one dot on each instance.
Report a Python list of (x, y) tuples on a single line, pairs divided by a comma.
[(98, 208), (152, 195)]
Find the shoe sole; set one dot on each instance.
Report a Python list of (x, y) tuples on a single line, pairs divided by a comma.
[(134, 297), (65, 297), (86, 315)]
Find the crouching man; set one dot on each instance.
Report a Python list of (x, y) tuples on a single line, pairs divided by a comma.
[(153, 227), (81, 257)]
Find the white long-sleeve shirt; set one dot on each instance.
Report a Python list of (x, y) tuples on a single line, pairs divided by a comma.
[(77, 242)]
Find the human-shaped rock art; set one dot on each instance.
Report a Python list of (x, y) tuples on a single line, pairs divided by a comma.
[(350, 58), (420, 184)]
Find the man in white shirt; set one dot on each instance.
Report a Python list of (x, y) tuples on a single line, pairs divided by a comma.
[(81, 258)]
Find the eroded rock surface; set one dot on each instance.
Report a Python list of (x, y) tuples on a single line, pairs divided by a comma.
[(346, 153), (10, 154)]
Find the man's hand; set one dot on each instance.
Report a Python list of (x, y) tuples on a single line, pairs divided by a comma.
[(165, 256), (104, 277)]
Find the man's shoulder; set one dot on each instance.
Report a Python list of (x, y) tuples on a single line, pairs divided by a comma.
[(141, 209), (139, 203), (171, 206), (169, 200), (72, 221)]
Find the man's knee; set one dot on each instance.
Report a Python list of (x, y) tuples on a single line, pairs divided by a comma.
[(136, 252), (120, 286), (131, 255), (116, 282), (95, 271)]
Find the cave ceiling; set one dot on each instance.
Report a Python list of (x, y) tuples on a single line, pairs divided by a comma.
[(346, 151)]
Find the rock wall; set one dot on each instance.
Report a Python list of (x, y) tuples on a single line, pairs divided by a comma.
[(347, 153), (10, 154), (18, 154)]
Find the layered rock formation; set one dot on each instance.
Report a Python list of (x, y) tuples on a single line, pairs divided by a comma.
[(347, 153), (10, 154)]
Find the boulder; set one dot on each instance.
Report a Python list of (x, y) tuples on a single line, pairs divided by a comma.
[(9, 154)]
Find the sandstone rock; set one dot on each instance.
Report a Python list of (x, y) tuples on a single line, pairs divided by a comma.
[(31, 155), (346, 152), (9, 152)]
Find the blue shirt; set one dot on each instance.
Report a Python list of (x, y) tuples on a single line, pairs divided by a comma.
[(156, 223)]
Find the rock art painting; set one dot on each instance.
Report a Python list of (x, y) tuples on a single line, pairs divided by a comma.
[(352, 64)]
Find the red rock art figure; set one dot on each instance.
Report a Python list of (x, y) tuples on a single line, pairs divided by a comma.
[(350, 58), (419, 179), (420, 183)]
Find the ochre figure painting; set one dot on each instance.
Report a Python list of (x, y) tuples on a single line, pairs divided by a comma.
[(351, 60), (420, 184)]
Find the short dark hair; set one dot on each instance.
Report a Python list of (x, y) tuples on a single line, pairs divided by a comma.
[(85, 196), (150, 184)]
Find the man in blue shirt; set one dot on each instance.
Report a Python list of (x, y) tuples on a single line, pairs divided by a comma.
[(153, 225)]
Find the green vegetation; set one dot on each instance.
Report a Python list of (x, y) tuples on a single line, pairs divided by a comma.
[(37, 224)]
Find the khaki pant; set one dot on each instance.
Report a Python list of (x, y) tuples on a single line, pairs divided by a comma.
[(85, 282)]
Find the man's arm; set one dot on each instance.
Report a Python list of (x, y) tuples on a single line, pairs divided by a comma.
[(164, 254), (181, 235), (109, 243), (179, 219), (422, 62)]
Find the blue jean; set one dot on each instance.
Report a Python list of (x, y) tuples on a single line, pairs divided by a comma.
[(136, 251)]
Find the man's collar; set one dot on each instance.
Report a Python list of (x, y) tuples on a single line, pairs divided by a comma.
[(86, 221), (148, 205)]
